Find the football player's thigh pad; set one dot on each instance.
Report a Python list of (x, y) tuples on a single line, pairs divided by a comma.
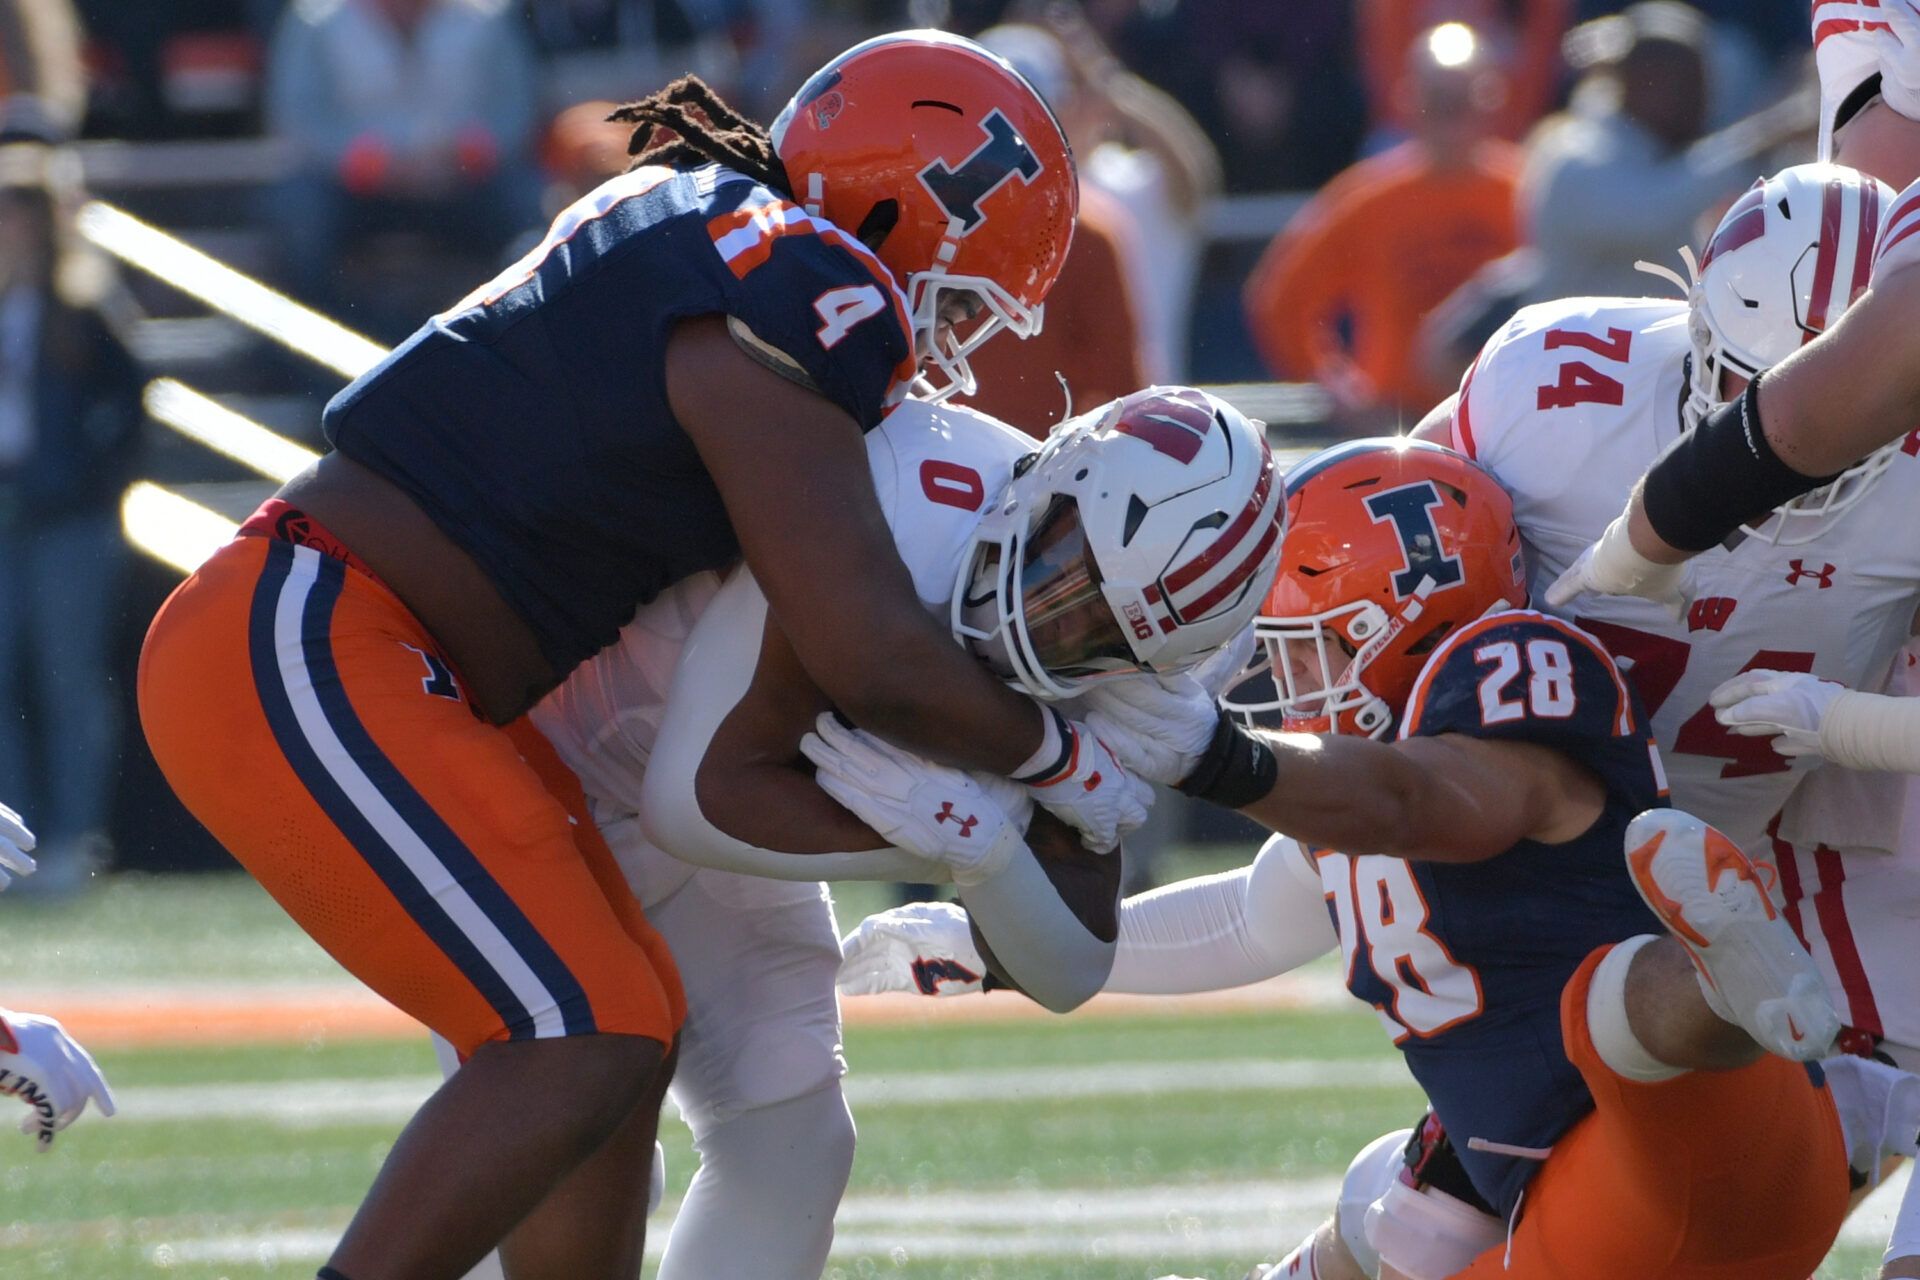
[(1428, 1234), (651, 872), (1376, 1168), (763, 1025)]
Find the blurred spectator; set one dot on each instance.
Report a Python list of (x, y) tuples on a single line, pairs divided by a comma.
[(151, 61), (1092, 337), (45, 87), (623, 49), (70, 418), (1626, 175), (1522, 36), (412, 115), (1275, 87), (1338, 296)]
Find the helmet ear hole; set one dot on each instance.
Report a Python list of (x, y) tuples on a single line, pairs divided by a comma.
[(878, 224)]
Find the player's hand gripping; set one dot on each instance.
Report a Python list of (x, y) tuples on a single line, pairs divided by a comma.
[(924, 947), (1089, 789), (44, 1067), (1157, 726), (922, 807), (1789, 706), (1612, 566), (16, 842)]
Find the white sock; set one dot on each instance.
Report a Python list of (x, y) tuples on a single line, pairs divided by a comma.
[(1608, 1024)]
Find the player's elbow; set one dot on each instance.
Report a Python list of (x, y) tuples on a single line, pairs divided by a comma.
[(670, 814)]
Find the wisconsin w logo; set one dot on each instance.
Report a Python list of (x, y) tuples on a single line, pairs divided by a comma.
[(1003, 155), (1410, 510)]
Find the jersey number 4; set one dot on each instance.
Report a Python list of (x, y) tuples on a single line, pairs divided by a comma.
[(1381, 914), (1580, 382), (1658, 663), (841, 309)]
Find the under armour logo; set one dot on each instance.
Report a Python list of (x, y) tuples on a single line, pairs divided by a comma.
[(1711, 613), (947, 814), (930, 971), (1823, 575)]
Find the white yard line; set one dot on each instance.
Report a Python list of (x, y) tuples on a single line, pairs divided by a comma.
[(386, 1100), (1199, 1220)]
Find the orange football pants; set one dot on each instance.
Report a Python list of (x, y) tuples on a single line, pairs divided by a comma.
[(1714, 1175), (303, 714)]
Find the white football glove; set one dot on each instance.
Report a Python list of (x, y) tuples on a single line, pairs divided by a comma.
[(1786, 705), (1219, 673), (1612, 567), (1899, 50), (924, 947), (1157, 726), (44, 1067), (1094, 794), (925, 808), (16, 842)]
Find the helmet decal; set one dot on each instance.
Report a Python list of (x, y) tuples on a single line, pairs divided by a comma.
[(1744, 223), (1176, 424), (1409, 509), (1002, 156)]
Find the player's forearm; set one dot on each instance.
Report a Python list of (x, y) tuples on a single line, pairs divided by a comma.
[(1872, 731), (921, 690), (1218, 932), (1855, 388), (1351, 794), (1438, 799), (674, 818)]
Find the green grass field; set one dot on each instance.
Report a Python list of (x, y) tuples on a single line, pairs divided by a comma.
[(1096, 1147)]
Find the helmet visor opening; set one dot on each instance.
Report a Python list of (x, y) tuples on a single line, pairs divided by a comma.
[(1067, 624)]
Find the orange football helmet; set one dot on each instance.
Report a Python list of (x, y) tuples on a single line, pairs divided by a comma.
[(1390, 545), (939, 155)]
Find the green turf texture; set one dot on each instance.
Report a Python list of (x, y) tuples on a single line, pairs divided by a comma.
[(112, 1194)]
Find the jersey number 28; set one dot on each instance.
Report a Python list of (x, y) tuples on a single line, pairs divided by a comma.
[(1382, 916)]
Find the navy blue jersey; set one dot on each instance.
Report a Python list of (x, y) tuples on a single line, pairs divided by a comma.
[(531, 422), (1465, 962)]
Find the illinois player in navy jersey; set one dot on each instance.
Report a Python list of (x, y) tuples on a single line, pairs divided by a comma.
[(1459, 779), (675, 380)]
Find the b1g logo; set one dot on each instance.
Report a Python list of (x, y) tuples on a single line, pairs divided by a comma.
[(960, 189), (1410, 510)]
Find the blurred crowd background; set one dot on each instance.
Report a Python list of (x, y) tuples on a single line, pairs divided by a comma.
[(1341, 198)]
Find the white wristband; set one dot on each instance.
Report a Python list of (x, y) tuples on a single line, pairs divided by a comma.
[(1872, 731)]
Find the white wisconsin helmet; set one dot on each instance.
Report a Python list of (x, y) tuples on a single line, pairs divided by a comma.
[(1789, 256), (1142, 536)]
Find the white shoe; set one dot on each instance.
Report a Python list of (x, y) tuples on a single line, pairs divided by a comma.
[(1753, 971)]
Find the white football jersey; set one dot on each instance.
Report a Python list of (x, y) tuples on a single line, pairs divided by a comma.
[(1899, 240), (1848, 40), (934, 467), (1567, 406)]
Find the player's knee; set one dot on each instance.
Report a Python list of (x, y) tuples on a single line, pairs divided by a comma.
[(763, 1068), (1426, 1234), (1900, 1268), (1367, 1179)]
